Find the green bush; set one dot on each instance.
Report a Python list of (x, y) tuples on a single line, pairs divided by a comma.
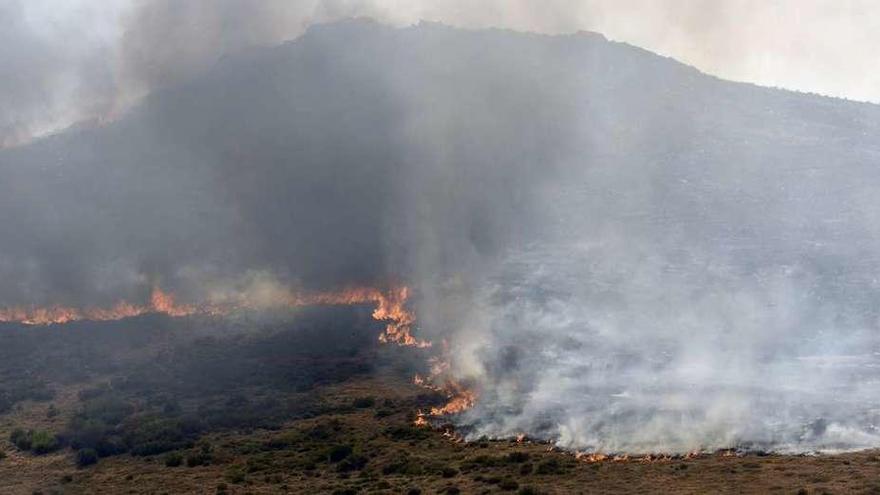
[(39, 442), (86, 457), (21, 439), (235, 475), (550, 466), (43, 442)]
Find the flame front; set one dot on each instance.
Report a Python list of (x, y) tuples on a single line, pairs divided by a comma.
[(160, 302), (390, 309)]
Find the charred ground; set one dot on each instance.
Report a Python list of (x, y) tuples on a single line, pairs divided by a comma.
[(311, 404)]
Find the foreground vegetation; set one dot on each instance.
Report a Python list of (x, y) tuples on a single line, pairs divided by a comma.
[(155, 405)]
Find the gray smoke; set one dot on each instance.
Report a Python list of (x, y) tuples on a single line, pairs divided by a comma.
[(623, 253)]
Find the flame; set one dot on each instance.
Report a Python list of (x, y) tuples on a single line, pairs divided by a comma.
[(390, 309), (460, 400), (160, 302), (460, 396)]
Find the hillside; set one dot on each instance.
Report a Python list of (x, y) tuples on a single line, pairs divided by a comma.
[(617, 253)]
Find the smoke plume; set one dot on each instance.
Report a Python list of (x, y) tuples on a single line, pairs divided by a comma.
[(622, 253)]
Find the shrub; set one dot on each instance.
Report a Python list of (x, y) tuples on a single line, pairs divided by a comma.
[(449, 472), (21, 439), (528, 490), (173, 459), (2, 455), (550, 466), (508, 485), (403, 464), (517, 457), (364, 402), (525, 469), (352, 463), (414, 491), (43, 442), (52, 411), (339, 452), (197, 459), (86, 457), (235, 475)]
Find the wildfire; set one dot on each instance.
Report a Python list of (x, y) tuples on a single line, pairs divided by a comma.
[(160, 302), (390, 309), (594, 457), (460, 397)]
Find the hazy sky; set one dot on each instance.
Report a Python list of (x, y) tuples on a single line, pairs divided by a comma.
[(71, 58)]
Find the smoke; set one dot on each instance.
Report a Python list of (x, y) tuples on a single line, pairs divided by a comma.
[(622, 253), (76, 61)]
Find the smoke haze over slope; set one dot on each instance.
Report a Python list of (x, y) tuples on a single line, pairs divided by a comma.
[(623, 253), (71, 61)]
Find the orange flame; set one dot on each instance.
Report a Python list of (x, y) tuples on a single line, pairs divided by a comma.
[(160, 302), (390, 308), (460, 397)]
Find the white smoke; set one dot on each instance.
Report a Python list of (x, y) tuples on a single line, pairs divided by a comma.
[(633, 326)]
